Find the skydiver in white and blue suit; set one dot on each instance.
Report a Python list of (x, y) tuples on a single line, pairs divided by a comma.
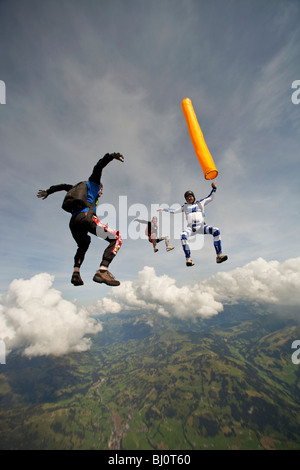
[(195, 216)]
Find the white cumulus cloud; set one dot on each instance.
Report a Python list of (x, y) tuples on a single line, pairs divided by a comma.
[(35, 318), (160, 294), (258, 281), (261, 281)]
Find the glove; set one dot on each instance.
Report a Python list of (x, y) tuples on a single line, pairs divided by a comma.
[(42, 193), (117, 156)]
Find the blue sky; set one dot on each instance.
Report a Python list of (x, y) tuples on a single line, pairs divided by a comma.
[(86, 78)]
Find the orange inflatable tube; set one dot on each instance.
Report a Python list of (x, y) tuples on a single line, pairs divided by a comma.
[(205, 159)]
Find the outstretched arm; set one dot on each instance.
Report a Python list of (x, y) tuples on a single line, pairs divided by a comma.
[(44, 193), (171, 211), (141, 221), (211, 195), (97, 170)]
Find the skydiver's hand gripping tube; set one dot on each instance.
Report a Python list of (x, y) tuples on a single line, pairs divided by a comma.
[(117, 156)]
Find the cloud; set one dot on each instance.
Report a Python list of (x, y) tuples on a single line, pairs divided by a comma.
[(160, 294), (268, 97), (35, 318), (258, 281)]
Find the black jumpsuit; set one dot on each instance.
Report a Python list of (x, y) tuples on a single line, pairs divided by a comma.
[(81, 225)]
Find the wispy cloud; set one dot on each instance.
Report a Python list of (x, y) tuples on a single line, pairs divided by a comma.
[(269, 99)]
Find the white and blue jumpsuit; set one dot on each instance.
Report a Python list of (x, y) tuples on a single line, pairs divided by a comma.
[(195, 218)]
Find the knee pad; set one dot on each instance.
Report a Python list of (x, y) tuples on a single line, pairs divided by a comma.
[(183, 236)]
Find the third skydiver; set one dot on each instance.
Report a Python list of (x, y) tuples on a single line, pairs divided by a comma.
[(152, 233)]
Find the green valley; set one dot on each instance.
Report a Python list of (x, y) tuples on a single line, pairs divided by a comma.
[(224, 383)]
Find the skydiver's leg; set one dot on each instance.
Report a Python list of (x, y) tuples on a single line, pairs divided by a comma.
[(186, 248), (83, 244), (115, 241), (167, 243), (79, 229), (215, 232), (112, 237), (154, 242)]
